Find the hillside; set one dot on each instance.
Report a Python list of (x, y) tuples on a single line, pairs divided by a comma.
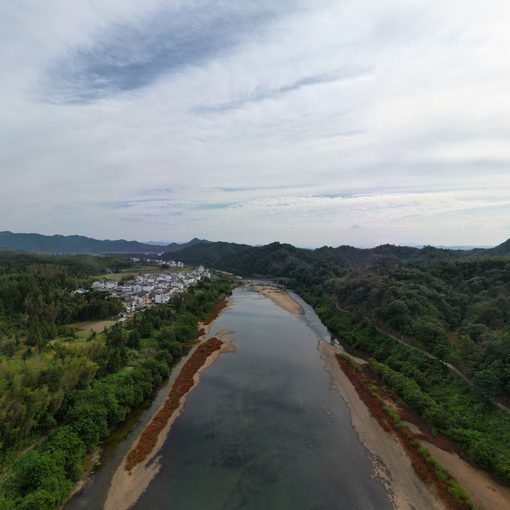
[(457, 310), (275, 259), (81, 244)]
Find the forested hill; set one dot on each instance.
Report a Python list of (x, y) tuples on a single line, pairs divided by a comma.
[(274, 259), (277, 259), (80, 244)]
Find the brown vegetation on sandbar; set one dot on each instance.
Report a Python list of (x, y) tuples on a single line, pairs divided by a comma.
[(180, 387), (215, 312), (378, 402)]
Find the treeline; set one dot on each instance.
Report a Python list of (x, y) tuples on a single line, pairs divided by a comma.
[(285, 260), (76, 394), (440, 397), (36, 299), (275, 259)]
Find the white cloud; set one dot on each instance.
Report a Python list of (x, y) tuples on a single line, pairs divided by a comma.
[(411, 116)]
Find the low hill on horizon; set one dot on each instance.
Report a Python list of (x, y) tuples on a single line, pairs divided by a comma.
[(243, 258), (76, 244)]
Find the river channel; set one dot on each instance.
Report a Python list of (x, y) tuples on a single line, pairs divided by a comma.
[(264, 430)]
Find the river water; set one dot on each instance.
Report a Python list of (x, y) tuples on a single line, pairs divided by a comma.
[(264, 430)]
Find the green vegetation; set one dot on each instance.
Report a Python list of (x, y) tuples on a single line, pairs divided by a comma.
[(37, 300), (315, 266), (456, 310), (59, 398)]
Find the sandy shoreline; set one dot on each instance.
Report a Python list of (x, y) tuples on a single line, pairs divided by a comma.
[(280, 298), (126, 487), (391, 463), (485, 493), (406, 490)]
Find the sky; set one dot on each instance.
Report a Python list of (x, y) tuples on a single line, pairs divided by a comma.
[(313, 122)]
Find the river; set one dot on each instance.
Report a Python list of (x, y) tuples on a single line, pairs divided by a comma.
[(264, 430)]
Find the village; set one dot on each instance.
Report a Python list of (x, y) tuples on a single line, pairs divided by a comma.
[(149, 289)]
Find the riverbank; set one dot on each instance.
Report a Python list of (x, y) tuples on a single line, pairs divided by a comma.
[(390, 462), (141, 465), (413, 433), (280, 298)]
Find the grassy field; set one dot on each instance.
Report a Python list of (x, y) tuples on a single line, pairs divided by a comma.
[(83, 329), (142, 270)]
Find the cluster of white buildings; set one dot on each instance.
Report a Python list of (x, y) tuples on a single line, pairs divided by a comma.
[(161, 262), (148, 289)]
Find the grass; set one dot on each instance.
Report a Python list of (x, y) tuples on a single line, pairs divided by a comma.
[(84, 329), (457, 492), (116, 277)]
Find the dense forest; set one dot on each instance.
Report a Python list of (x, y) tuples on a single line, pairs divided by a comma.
[(398, 304), (61, 394), (439, 396), (277, 259), (37, 300), (456, 310)]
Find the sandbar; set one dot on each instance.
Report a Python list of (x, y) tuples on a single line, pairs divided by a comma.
[(281, 298)]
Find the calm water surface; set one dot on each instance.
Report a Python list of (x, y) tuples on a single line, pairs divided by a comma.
[(264, 430)]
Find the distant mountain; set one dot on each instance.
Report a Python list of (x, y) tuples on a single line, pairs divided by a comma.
[(81, 244), (501, 249), (463, 247), (172, 247)]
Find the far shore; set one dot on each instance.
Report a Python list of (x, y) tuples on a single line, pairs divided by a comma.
[(126, 487), (281, 298)]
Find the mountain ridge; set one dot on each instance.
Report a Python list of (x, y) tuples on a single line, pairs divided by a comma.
[(282, 259), (32, 242)]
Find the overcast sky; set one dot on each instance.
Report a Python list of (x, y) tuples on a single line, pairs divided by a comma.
[(305, 121)]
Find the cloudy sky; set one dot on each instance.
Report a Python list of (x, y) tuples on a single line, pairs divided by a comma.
[(306, 121)]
